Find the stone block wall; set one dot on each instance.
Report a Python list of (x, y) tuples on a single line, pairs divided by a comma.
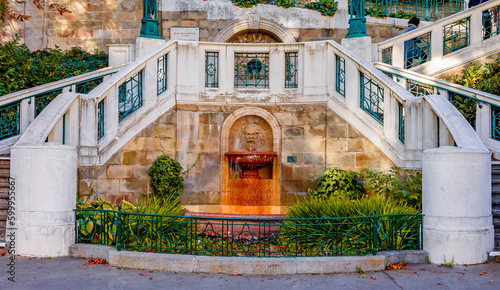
[(191, 134), (93, 24)]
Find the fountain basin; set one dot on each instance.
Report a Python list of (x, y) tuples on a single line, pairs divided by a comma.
[(250, 162)]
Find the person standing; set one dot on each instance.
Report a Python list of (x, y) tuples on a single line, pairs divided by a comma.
[(411, 48)]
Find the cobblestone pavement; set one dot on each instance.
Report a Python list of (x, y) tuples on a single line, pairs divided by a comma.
[(75, 273)]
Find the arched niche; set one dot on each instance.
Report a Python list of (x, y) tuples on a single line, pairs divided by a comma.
[(252, 24)]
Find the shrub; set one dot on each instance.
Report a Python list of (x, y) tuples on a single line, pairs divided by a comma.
[(22, 69), (325, 7), (246, 3), (350, 235), (286, 3), (338, 182), (392, 184), (166, 177)]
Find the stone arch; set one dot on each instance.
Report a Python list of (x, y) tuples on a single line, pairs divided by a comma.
[(251, 111), (242, 25)]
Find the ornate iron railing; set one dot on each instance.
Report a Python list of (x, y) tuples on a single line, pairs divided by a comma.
[(211, 69), (44, 99), (86, 86), (100, 120), (426, 9), (161, 74), (340, 72), (401, 122), (248, 237), (495, 122), (456, 36), (291, 70), (130, 96), (419, 89), (387, 55), (417, 50), (251, 70), (491, 24), (372, 98), (9, 120)]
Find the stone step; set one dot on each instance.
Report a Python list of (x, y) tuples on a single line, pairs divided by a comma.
[(4, 161), (4, 168), (4, 177)]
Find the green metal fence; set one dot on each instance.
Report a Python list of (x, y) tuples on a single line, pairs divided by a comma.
[(43, 100), (9, 120), (211, 69), (425, 9), (161, 74), (417, 50), (130, 96), (251, 70), (495, 123), (340, 75), (86, 86), (100, 120), (387, 55), (371, 98), (419, 89), (291, 70), (401, 122), (456, 36), (491, 24), (248, 237)]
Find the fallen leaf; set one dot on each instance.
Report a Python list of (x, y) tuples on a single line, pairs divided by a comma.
[(482, 273), (96, 261), (2, 253), (143, 274), (150, 278), (362, 276), (236, 274), (414, 273), (373, 278), (396, 266), (261, 280)]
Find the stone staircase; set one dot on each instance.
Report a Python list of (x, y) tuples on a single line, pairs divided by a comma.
[(4, 195), (495, 200)]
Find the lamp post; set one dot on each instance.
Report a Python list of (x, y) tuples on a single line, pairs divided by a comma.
[(149, 20), (357, 21)]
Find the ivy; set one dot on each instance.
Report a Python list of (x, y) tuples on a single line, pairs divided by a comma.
[(285, 3), (325, 7), (246, 3)]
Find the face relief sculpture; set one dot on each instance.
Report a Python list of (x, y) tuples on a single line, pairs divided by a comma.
[(251, 138)]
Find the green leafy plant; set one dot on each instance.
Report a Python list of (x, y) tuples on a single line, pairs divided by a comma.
[(338, 182), (325, 7), (377, 12), (402, 15), (246, 3), (166, 177), (392, 184), (484, 79), (286, 3), (21, 69), (348, 234)]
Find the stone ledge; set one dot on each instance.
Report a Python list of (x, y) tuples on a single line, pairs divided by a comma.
[(245, 265)]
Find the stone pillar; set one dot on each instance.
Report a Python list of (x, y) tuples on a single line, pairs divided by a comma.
[(360, 46), (144, 45), (45, 193), (457, 205)]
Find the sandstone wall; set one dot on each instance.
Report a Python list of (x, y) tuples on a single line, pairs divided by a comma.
[(97, 23), (317, 136)]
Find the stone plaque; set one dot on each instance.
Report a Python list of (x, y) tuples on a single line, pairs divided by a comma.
[(184, 33)]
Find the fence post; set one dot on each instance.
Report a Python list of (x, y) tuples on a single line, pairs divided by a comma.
[(119, 229), (375, 232)]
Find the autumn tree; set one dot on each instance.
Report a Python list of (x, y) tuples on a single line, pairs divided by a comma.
[(7, 12)]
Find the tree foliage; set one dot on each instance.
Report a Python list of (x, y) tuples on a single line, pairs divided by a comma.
[(8, 12), (21, 69)]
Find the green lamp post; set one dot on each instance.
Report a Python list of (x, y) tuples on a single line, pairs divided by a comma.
[(357, 21), (149, 20)]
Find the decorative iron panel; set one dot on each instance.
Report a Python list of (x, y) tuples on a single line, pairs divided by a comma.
[(419, 89), (161, 71), (427, 9), (251, 70), (9, 120), (417, 50), (130, 96), (86, 87), (291, 70), (465, 105), (100, 120), (456, 36), (43, 100), (372, 98), (491, 24), (495, 123), (387, 55), (211, 69), (401, 122), (340, 75)]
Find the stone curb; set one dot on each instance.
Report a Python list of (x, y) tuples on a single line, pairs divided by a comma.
[(245, 265)]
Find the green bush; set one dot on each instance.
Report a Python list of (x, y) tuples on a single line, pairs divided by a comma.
[(246, 3), (22, 69), (166, 177), (286, 3), (392, 184), (338, 182), (347, 235), (325, 7), (486, 80)]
